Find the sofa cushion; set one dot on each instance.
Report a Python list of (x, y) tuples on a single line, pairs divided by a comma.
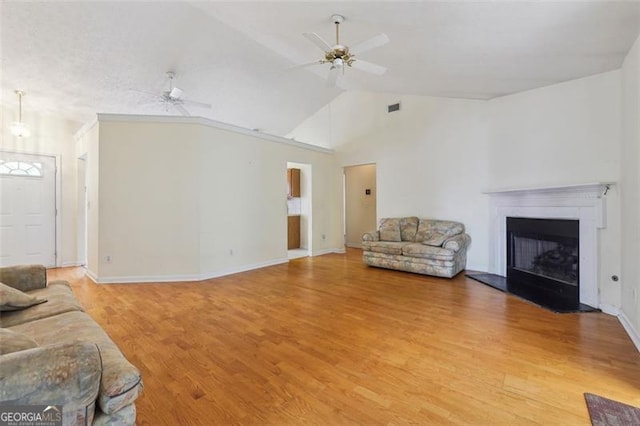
[(387, 247), (410, 259), (436, 239), (435, 232), (390, 229), (60, 300), (24, 277), (408, 228), (427, 252), (12, 299), (121, 382), (12, 341)]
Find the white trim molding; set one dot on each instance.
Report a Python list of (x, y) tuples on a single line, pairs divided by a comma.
[(139, 279), (630, 329), (329, 251), (71, 264), (583, 202)]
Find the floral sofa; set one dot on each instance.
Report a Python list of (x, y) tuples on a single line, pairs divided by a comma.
[(53, 353), (424, 246)]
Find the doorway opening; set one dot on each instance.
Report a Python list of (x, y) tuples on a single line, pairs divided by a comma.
[(299, 217), (359, 203)]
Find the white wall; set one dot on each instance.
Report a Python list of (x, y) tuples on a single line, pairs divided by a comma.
[(353, 115), (630, 191), (54, 136), (148, 199), (179, 199), (561, 134), (568, 133)]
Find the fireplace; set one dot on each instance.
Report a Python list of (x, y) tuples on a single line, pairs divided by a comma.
[(543, 261), (584, 203)]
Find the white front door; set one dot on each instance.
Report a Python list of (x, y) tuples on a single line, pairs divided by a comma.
[(27, 209)]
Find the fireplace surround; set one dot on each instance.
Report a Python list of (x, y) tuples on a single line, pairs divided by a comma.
[(584, 204)]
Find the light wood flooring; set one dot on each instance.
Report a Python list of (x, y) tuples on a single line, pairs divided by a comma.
[(327, 340)]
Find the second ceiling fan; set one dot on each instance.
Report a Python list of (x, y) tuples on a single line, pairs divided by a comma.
[(341, 56)]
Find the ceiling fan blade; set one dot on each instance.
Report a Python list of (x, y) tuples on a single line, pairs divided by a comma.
[(333, 77), (318, 41), (155, 95), (182, 110), (375, 41), (196, 103), (368, 67), (147, 98), (308, 64)]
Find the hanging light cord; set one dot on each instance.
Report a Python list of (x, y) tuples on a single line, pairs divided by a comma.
[(19, 93)]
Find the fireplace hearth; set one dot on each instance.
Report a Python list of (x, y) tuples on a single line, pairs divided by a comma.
[(543, 261)]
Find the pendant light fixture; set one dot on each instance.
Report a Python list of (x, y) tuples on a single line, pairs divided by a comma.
[(19, 128)]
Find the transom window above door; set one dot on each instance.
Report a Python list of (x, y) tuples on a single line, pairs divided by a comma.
[(20, 168)]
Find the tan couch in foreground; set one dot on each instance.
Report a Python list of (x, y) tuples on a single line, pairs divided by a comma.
[(53, 353)]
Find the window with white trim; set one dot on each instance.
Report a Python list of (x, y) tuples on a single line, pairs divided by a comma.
[(20, 168)]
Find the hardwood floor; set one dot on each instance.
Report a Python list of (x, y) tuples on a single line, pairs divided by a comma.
[(327, 340)]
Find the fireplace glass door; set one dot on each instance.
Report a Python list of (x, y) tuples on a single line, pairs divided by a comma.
[(543, 260)]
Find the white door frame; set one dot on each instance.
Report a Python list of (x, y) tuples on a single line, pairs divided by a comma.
[(81, 239), (57, 197)]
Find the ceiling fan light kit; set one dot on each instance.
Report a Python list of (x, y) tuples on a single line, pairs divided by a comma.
[(340, 55), (19, 128)]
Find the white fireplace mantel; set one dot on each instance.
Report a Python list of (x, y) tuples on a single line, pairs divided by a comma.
[(582, 202)]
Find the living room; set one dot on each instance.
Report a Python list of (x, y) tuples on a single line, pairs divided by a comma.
[(175, 198)]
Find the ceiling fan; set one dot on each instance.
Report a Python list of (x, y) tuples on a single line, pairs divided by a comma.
[(341, 55), (173, 97)]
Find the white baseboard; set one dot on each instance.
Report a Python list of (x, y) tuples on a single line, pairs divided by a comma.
[(354, 245), (478, 268), (70, 264), (93, 277), (329, 251), (244, 268), (609, 309), (135, 279), (630, 329)]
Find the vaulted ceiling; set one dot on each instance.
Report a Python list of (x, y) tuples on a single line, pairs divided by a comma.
[(80, 58)]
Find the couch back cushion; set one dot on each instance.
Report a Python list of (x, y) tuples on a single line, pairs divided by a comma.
[(408, 228), (390, 229), (12, 341), (434, 232)]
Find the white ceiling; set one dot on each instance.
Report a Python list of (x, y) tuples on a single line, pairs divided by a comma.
[(80, 58)]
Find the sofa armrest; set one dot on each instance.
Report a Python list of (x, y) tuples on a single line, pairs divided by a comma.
[(371, 236), (63, 374), (457, 242), (24, 277)]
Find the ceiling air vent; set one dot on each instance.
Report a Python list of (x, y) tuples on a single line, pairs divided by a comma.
[(394, 107)]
